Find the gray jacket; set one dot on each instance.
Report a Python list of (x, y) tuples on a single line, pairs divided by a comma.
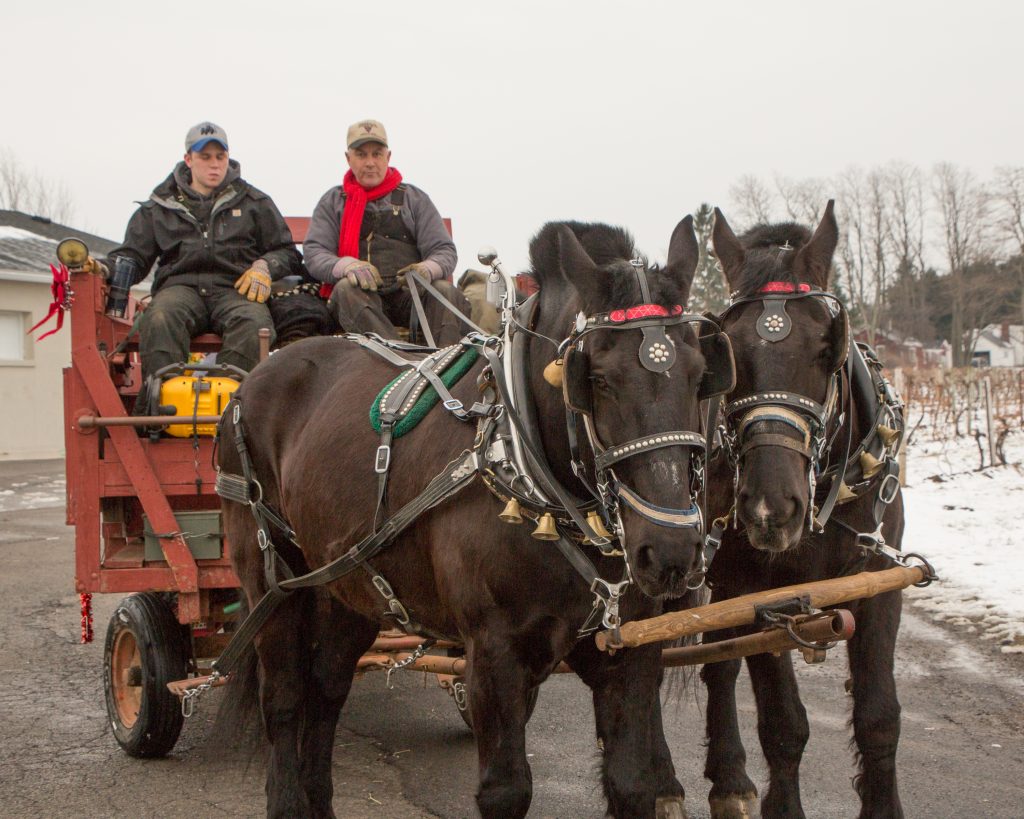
[(320, 248)]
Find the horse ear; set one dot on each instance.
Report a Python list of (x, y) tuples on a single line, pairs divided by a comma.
[(814, 260), (727, 247), (683, 253), (578, 268)]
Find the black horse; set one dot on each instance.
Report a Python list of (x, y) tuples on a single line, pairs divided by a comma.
[(518, 605), (810, 429)]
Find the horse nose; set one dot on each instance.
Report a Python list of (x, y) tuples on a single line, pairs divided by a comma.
[(764, 509), (673, 565)]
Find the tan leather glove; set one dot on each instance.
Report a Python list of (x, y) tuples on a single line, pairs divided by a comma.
[(255, 282), (364, 275), (96, 268), (423, 270)]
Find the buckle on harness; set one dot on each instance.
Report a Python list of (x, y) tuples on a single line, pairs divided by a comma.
[(886, 494), (382, 460), (452, 404)]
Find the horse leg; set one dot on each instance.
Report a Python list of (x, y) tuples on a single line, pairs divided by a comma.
[(876, 710), (284, 686), (637, 773), (499, 687), (339, 638), (783, 730), (733, 795)]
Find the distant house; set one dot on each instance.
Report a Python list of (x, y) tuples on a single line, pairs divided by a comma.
[(31, 385), (999, 345)]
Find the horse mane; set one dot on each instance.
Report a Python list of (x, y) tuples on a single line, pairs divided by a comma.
[(611, 249), (770, 251)]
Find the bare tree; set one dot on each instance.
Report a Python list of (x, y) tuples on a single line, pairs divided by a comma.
[(803, 199), (907, 308), (1008, 192), (32, 193), (753, 201), (865, 249), (964, 210)]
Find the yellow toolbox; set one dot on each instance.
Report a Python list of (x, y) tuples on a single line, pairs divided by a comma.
[(196, 395)]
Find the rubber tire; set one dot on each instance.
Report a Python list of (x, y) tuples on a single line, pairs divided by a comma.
[(158, 637), (468, 719)]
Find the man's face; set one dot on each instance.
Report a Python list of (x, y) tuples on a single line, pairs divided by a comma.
[(209, 166), (369, 163)]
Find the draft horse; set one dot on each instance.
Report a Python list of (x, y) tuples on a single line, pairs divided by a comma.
[(810, 434), (519, 605)]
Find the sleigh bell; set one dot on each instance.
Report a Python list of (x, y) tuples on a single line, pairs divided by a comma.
[(546, 529), (511, 513), (553, 373), (887, 434), (845, 493), (869, 465), (594, 522)]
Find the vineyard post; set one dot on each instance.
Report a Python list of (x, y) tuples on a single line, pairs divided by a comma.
[(989, 425)]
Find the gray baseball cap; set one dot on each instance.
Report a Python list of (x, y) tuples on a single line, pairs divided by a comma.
[(199, 135)]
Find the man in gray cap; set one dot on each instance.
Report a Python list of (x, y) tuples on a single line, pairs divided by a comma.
[(217, 243), (368, 232)]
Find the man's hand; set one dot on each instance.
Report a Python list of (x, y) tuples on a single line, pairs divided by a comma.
[(423, 270), (96, 268), (255, 282), (364, 275)]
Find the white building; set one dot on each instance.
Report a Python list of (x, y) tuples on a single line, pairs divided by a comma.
[(999, 345), (31, 385)]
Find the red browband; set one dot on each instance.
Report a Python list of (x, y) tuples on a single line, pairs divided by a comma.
[(785, 287), (642, 311)]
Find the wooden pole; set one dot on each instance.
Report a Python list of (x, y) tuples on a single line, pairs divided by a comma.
[(739, 611)]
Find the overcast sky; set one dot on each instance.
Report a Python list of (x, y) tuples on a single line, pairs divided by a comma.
[(510, 114)]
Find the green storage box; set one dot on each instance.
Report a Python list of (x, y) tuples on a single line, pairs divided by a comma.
[(202, 534)]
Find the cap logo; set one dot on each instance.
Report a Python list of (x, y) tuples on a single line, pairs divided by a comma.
[(367, 126), (207, 129)]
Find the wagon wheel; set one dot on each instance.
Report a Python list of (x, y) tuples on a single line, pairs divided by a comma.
[(144, 651), (460, 694)]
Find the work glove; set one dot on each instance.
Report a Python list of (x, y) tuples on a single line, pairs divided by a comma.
[(96, 268), (255, 282), (364, 275), (425, 271)]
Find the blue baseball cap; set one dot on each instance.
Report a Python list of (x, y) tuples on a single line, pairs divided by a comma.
[(199, 136)]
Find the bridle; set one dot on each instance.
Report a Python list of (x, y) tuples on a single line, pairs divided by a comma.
[(657, 353), (743, 418)]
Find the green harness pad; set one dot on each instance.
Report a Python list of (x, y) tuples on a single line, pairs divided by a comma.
[(452, 373)]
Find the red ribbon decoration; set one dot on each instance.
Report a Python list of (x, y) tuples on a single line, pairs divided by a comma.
[(86, 600), (644, 311), (63, 297), (785, 287)]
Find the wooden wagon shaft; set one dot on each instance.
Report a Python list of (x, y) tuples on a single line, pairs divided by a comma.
[(91, 421), (739, 611), (840, 626)]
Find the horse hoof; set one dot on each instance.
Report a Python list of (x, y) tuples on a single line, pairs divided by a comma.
[(669, 807), (735, 806)]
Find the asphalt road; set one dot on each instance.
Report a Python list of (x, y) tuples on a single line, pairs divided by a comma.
[(405, 752)]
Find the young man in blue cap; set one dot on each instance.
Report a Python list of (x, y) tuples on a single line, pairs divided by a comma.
[(217, 243)]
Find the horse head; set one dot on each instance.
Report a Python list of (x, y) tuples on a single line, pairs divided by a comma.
[(630, 373), (790, 337)]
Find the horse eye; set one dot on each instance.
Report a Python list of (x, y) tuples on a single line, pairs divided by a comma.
[(599, 381)]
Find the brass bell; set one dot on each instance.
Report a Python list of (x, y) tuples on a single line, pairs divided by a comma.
[(553, 373), (869, 465), (510, 514), (845, 493), (595, 523), (545, 528), (887, 434)]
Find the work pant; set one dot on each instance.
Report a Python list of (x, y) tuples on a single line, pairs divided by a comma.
[(366, 311), (179, 312)]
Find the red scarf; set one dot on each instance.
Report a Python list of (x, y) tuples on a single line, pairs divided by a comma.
[(356, 197)]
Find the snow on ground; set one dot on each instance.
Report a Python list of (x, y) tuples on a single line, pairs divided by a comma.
[(42, 490), (970, 526)]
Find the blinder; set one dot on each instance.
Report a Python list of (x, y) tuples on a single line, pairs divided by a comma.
[(719, 368), (577, 388)]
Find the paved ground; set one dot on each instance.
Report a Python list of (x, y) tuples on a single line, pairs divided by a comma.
[(405, 753)]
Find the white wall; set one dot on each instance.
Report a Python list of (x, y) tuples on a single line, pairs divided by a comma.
[(31, 389)]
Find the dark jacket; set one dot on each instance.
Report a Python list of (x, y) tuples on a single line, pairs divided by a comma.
[(192, 238)]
